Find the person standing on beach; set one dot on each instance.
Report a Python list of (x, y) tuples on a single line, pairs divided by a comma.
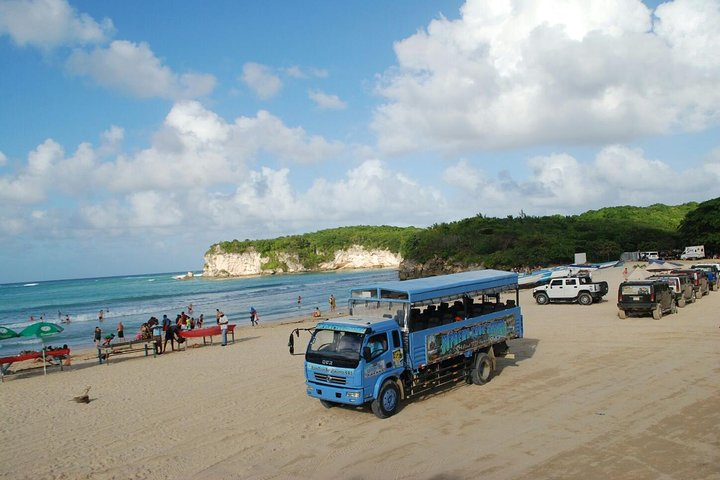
[(190, 309), (223, 321), (169, 335), (331, 301), (254, 317), (121, 331), (201, 320), (98, 336)]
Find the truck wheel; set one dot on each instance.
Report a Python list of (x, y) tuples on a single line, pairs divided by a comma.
[(327, 404), (622, 315), (387, 402), (585, 299), (673, 308), (657, 313), (541, 298), (681, 302), (693, 297), (482, 369)]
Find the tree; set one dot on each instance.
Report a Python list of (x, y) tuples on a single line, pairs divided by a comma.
[(702, 226)]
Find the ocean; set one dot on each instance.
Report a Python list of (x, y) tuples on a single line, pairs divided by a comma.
[(133, 299)]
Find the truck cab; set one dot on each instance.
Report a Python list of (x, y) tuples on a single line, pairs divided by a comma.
[(347, 359)]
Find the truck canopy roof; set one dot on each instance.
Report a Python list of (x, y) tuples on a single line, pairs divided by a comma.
[(453, 285)]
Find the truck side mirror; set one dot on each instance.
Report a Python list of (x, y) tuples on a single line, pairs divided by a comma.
[(366, 354), (291, 344)]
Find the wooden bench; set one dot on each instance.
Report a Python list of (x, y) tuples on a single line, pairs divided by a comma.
[(206, 332), (142, 345)]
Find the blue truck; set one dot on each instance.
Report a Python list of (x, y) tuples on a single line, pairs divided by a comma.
[(403, 339)]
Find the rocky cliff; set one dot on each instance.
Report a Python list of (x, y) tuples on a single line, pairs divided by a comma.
[(219, 263)]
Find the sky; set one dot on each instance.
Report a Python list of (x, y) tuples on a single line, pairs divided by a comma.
[(135, 134)]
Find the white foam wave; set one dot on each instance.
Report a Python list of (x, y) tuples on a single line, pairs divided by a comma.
[(31, 284)]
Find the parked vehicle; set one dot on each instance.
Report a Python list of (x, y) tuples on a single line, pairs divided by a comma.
[(406, 338), (681, 286), (644, 256), (570, 290), (712, 270), (645, 297), (695, 252), (698, 278)]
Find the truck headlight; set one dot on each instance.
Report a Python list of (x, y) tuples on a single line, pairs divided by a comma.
[(353, 394)]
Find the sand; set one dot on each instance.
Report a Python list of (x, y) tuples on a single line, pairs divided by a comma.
[(587, 396)]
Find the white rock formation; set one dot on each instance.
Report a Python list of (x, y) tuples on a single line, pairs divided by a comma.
[(222, 264)]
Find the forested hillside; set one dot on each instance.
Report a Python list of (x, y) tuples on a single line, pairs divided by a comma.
[(514, 241), (317, 247), (528, 241)]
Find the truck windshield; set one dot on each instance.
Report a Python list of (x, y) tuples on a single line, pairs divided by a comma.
[(379, 309), (341, 347)]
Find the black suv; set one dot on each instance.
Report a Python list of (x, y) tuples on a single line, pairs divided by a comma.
[(645, 296)]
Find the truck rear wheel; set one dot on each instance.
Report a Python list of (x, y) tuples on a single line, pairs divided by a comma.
[(621, 314), (693, 297), (541, 298), (585, 299), (681, 302), (657, 313), (387, 402), (482, 369)]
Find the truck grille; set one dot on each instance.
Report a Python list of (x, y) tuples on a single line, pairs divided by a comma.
[(332, 379)]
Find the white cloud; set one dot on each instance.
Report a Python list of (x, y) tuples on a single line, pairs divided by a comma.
[(50, 23), (299, 72), (326, 101), (559, 183), (261, 80), (3, 159), (514, 73), (135, 70)]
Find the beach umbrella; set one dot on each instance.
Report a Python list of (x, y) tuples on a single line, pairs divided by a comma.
[(41, 330), (6, 333)]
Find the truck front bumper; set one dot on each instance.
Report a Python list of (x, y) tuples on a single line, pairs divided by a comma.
[(349, 396)]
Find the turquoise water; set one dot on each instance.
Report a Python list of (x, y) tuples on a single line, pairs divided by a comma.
[(134, 299)]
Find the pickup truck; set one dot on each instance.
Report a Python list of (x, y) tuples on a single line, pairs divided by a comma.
[(571, 289)]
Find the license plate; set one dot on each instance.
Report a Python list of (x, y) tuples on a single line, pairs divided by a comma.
[(636, 299)]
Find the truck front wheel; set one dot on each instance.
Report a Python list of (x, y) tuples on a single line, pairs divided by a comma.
[(657, 313), (585, 299), (541, 298), (621, 314), (327, 404), (482, 369), (387, 402)]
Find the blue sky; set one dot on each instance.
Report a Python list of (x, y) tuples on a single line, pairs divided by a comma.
[(135, 134)]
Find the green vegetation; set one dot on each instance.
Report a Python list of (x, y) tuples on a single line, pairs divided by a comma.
[(528, 241), (702, 226), (509, 242), (317, 247)]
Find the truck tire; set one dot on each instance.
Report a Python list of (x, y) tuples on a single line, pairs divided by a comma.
[(387, 402), (542, 298), (327, 404), (482, 369), (585, 299), (693, 297), (657, 313), (673, 308), (681, 302), (622, 315)]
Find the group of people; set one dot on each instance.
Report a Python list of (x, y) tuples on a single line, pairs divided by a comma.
[(171, 330)]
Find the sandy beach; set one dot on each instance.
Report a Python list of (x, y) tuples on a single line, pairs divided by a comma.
[(587, 396)]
